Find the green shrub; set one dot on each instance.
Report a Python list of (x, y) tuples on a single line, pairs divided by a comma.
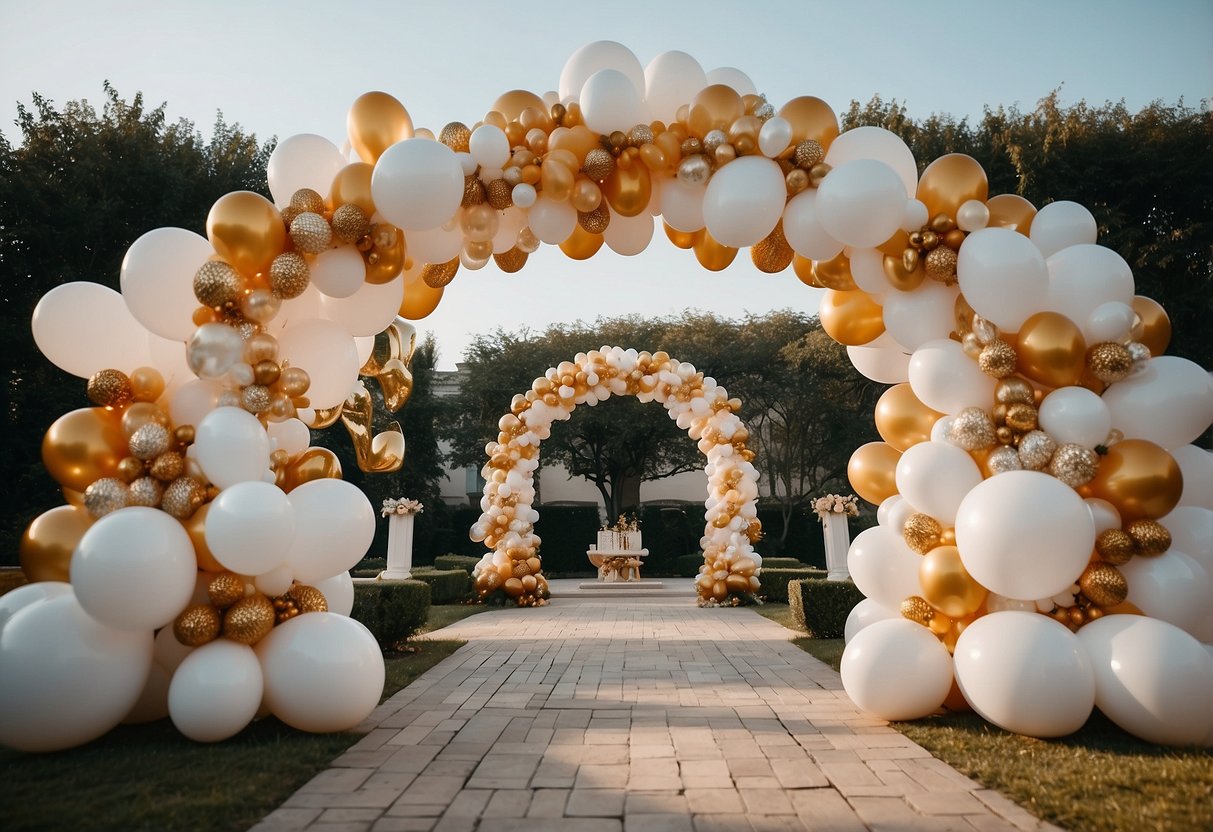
[(391, 610), (465, 562), (371, 564), (783, 563), (775, 581), (821, 607), (447, 586), (687, 566), (567, 532)]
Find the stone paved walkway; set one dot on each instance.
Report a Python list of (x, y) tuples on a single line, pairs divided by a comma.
[(634, 716)]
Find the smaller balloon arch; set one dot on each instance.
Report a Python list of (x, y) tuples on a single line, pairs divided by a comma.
[(702, 408)]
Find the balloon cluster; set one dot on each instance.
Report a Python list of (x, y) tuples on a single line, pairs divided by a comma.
[(697, 404)]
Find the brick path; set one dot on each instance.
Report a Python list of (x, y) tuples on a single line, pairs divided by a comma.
[(633, 716)]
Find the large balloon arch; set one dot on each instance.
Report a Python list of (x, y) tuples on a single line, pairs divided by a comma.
[(1046, 526)]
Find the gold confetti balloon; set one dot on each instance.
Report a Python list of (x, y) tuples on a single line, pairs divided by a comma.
[(808, 154), (350, 223), (217, 284), (1036, 449), (149, 441), (1150, 537), (310, 233), (773, 253), (105, 495), (1073, 464), (500, 194), (255, 398), (972, 429), (289, 275), (1109, 362), (182, 497), (1103, 584), (306, 200), (997, 359), (456, 136), (308, 598), (167, 466), (921, 532), (1115, 546), (249, 620), (941, 265), (1003, 459), (599, 164), (225, 589), (146, 491), (197, 624), (916, 609), (110, 388), (595, 221)]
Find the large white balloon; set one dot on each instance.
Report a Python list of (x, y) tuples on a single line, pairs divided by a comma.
[(1026, 673), (896, 669), (886, 364), (489, 147), (334, 527), (368, 311), (629, 235), (18, 599), (216, 691), (290, 435), (338, 592), (232, 446), (945, 379), (1024, 534), (158, 280), (681, 205), (883, 567), (913, 318), (66, 678), (1084, 277), (732, 77), (1003, 276), (302, 161), (323, 672), (864, 614), (610, 102), (1196, 465), (1172, 587), (338, 272), (552, 221), (744, 200), (1061, 224), (134, 569), (435, 245), (935, 477), (85, 327), (861, 202), (601, 54), (1151, 678), (417, 184), (1075, 414), (867, 269), (1191, 529), (803, 230), (881, 145), (250, 527), (329, 355), (670, 80), (1170, 402)]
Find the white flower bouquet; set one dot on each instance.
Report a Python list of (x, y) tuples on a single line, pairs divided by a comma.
[(836, 504), (401, 506)]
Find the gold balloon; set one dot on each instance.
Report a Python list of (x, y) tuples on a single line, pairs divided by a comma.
[(84, 445), (47, 545), (835, 274), (947, 585), (1011, 211), (513, 587), (419, 299), (804, 269), (901, 278), (1051, 350), (1139, 478), (712, 255), (249, 620), (851, 318), (628, 190), (1103, 584), (921, 532), (376, 122), (772, 254), (682, 239), (246, 230), (315, 463), (1155, 324), (715, 107), (197, 625), (901, 419), (811, 118), (872, 470), (581, 244), (383, 264), (950, 181), (225, 589), (147, 384), (352, 186), (511, 104), (579, 140), (381, 453)]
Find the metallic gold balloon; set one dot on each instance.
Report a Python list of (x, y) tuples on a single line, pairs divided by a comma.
[(872, 470), (835, 273), (47, 545), (183, 497), (581, 244), (1103, 584), (901, 419), (315, 463), (246, 230), (382, 453), (950, 181), (947, 585), (811, 118), (249, 620), (377, 121), (1051, 349), (628, 190), (352, 186), (1155, 324), (1139, 478), (147, 384), (901, 278), (511, 104), (419, 299), (851, 318), (197, 625), (682, 239), (513, 587), (805, 269), (997, 359), (83, 446), (1011, 211), (383, 263), (712, 255), (715, 107)]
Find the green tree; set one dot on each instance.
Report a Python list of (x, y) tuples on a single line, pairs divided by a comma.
[(78, 190)]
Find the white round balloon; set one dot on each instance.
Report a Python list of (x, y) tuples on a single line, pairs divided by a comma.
[(880, 144), (327, 352), (1172, 587), (945, 379), (861, 202), (935, 477), (232, 446), (914, 318), (744, 201), (1075, 414), (804, 232), (1082, 278), (896, 669), (670, 80), (85, 327), (302, 161), (1170, 402), (368, 311), (417, 184), (158, 280), (1061, 224), (338, 272), (250, 527), (1196, 465), (601, 54), (338, 591), (610, 102), (216, 691), (883, 567), (865, 613), (1003, 276), (334, 527), (18, 599)]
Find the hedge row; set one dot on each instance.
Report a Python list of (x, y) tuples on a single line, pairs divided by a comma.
[(391, 610), (821, 607), (687, 566), (447, 586), (465, 562), (783, 563), (775, 581)]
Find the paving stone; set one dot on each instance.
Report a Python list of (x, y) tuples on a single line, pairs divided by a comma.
[(595, 803), (548, 803), (657, 823), (713, 801)]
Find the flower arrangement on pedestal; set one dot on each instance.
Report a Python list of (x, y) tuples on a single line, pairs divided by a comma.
[(401, 506), (836, 504)]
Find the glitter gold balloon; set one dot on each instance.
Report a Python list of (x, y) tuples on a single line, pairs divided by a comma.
[(808, 154), (310, 233), (225, 589), (772, 254), (916, 609), (972, 429), (110, 388), (168, 466), (289, 275), (921, 532), (1003, 459), (997, 359), (1036, 449), (350, 223), (197, 624), (1073, 464), (1014, 390), (438, 275), (473, 191), (306, 200), (510, 261), (598, 164), (105, 495), (146, 491), (1109, 362), (595, 221), (1021, 417), (1150, 537), (499, 194), (249, 620), (941, 265), (1103, 584), (1115, 546), (217, 284), (149, 441), (308, 598), (456, 136), (182, 497), (255, 398)]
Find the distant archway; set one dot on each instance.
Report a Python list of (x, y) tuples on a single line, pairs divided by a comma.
[(699, 406)]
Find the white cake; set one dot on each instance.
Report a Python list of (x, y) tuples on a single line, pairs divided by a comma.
[(613, 541)]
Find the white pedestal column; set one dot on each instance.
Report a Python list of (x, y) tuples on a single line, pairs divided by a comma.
[(399, 548), (838, 541)]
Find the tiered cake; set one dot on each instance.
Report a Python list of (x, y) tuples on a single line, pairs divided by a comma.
[(611, 541)]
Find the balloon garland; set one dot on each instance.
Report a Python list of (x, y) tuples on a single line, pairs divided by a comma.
[(1036, 478), (703, 409)]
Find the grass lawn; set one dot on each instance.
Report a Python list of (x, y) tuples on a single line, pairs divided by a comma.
[(1099, 779), (151, 777)]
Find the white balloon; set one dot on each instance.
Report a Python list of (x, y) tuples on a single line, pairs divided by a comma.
[(368, 311), (610, 102), (250, 527), (552, 221), (193, 401), (65, 677), (1109, 321), (887, 365), (511, 221), (732, 77), (865, 613), (1170, 402), (232, 446), (861, 202), (1024, 534), (85, 327), (1084, 277), (914, 318), (1062, 224), (804, 232), (867, 268), (338, 272), (896, 670), (18, 599), (1103, 513), (883, 146), (323, 672), (629, 235), (898, 514), (338, 591), (134, 569), (774, 136), (290, 435), (1003, 276), (275, 582), (670, 80), (1196, 465), (602, 54), (1075, 414), (327, 352), (883, 567), (945, 379), (216, 691), (169, 358), (489, 147), (1151, 678), (152, 704), (302, 161), (1172, 587), (935, 477), (886, 507), (158, 280), (334, 527), (972, 215), (916, 215), (435, 245), (524, 195), (681, 205), (1026, 673), (1191, 529), (417, 184), (744, 201), (168, 652)]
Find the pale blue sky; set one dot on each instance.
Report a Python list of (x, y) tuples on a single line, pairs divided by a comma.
[(280, 68)]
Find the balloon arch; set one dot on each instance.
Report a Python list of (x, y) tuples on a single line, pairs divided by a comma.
[(1036, 481)]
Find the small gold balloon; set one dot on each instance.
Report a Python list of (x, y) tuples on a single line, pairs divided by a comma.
[(473, 191), (598, 165), (917, 609), (110, 388), (972, 429), (997, 359), (105, 495), (225, 589), (1014, 389), (949, 182), (376, 121), (1074, 464), (438, 275), (947, 585), (499, 194), (1109, 362), (310, 233), (308, 598), (1150, 537), (1036, 449), (168, 466), (183, 497), (510, 261), (197, 624), (921, 532), (456, 136), (255, 398), (1115, 546), (1021, 417), (249, 620), (289, 275), (131, 469), (217, 284), (1103, 584), (149, 441), (941, 265), (811, 118), (1051, 349), (851, 318), (246, 230), (712, 254), (1011, 211), (595, 221), (350, 223), (146, 491), (306, 199), (835, 273), (772, 254), (808, 154)]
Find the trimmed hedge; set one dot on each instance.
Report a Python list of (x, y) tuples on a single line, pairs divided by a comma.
[(447, 586), (567, 532), (391, 610), (775, 581), (783, 563), (821, 607), (687, 566), (465, 562)]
